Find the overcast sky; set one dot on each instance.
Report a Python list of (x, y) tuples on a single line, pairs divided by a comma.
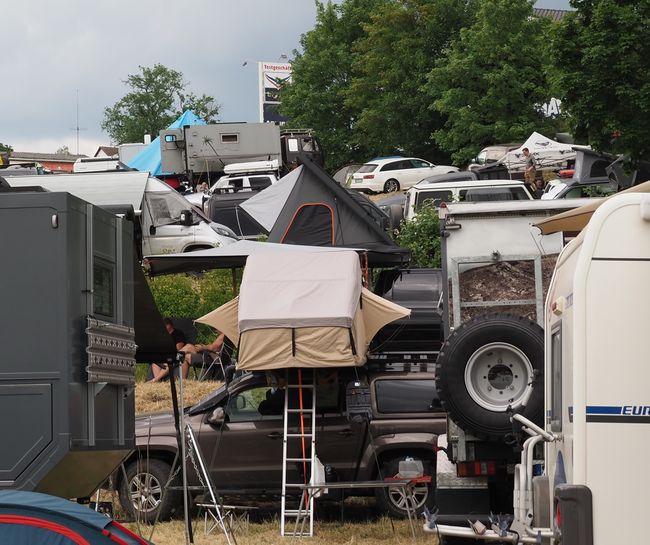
[(52, 49)]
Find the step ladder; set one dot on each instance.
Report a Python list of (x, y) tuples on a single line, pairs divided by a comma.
[(212, 502), (298, 452)]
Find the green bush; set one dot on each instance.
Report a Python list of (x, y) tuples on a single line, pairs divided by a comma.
[(193, 296), (421, 236)]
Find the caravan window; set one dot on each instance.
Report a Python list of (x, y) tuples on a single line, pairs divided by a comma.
[(230, 138), (556, 378)]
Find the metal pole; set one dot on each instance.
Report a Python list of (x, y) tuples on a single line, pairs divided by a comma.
[(188, 532)]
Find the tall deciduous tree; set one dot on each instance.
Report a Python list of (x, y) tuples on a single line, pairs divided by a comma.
[(492, 82), (321, 75), (157, 96), (403, 42), (603, 54)]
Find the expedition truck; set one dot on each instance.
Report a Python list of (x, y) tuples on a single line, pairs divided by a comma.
[(596, 393), (204, 151), (496, 268)]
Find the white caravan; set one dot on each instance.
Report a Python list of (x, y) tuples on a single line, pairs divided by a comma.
[(169, 223), (594, 490)]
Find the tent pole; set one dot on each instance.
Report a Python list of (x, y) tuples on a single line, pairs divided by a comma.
[(233, 272)]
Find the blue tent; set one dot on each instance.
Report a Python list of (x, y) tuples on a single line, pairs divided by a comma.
[(149, 158), (30, 518)]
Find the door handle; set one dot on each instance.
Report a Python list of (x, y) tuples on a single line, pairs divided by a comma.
[(274, 435), (345, 433)]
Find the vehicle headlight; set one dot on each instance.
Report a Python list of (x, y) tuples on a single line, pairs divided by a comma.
[(223, 230)]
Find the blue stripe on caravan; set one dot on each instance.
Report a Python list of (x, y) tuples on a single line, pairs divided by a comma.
[(604, 409)]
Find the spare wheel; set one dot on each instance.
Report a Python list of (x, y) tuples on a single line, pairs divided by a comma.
[(488, 364)]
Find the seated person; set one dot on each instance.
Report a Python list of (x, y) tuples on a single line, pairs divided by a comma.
[(161, 371), (193, 353), (274, 402)]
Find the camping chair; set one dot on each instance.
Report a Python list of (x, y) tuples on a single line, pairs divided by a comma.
[(208, 365), (186, 325)]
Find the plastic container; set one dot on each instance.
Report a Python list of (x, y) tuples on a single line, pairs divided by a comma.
[(410, 469)]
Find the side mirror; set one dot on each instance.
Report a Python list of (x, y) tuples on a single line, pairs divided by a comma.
[(218, 416), (152, 230), (187, 218)]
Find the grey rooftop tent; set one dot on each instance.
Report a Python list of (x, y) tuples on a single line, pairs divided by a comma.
[(308, 207)]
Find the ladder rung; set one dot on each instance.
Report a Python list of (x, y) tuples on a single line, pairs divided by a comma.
[(299, 460), (294, 485), (293, 435), (299, 386), (295, 512), (305, 410)]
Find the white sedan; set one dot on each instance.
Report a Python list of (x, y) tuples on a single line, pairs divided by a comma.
[(390, 174)]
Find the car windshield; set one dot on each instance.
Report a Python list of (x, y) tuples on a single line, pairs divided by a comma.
[(165, 207), (368, 167)]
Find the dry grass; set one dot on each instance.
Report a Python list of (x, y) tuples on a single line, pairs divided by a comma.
[(268, 533), (154, 397)]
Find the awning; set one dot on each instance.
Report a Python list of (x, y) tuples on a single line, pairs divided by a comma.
[(227, 257), (575, 220)]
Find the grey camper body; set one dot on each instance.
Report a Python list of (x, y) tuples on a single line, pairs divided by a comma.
[(66, 375)]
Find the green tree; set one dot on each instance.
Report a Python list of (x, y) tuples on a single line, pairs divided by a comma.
[(157, 96), (402, 44), (63, 150), (603, 55), (6, 147), (321, 76), (492, 82), (421, 236)]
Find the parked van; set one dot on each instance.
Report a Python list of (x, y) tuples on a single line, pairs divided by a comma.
[(252, 176), (456, 191), (168, 222), (98, 164)]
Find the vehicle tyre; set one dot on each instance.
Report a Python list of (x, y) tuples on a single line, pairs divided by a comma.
[(391, 186), (488, 364), (391, 502), (143, 494)]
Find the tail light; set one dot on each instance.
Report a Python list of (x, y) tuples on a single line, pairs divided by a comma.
[(368, 176), (476, 469)]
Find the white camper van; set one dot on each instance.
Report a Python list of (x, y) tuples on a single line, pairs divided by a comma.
[(169, 223), (594, 490)]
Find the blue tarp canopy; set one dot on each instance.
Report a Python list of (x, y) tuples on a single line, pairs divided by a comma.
[(149, 160)]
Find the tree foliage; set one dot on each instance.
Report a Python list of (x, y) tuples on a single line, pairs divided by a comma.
[(321, 76), (402, 43), (188, 296), (603, 54), (157, 96), (492, 81), (6, 147), (421, 235)]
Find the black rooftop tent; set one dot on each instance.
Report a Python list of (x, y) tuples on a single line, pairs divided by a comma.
[(308, 207)]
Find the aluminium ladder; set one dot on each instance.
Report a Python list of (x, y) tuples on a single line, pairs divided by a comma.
[(298, 451)]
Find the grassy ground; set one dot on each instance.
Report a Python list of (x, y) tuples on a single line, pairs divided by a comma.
[(268, 533)]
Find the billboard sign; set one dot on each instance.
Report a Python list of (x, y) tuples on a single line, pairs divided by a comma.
[(272, 76)]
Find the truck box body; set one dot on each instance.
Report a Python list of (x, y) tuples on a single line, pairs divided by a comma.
[(597, 375), (67, 296), (209, 148)]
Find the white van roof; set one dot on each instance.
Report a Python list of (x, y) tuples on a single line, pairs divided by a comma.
[(510, 207), (101, 188)]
